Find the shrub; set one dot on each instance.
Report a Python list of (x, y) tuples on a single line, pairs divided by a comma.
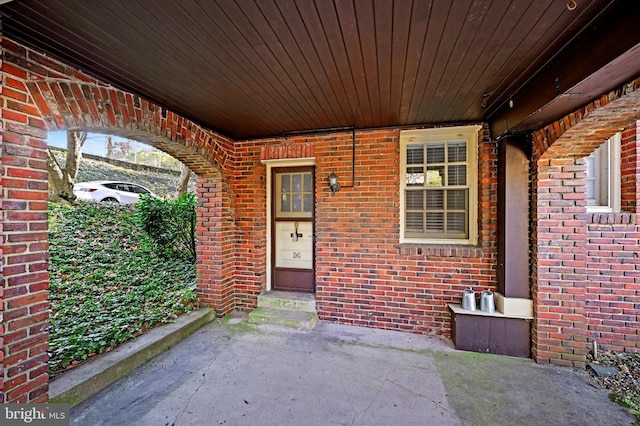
[(106, 283), (170, 224)]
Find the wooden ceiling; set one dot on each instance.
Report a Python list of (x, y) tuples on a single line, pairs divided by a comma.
[(256, 68)]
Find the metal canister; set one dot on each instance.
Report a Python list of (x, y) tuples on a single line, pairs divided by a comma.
[(486, 302), (469, 300)]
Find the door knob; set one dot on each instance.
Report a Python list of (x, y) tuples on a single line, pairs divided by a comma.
[(295, 235)]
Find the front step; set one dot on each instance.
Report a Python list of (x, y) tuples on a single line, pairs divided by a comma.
[(292, 300), (285, 309), (284, 318)]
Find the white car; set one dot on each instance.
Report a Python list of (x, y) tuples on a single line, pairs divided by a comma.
[(110, 191)]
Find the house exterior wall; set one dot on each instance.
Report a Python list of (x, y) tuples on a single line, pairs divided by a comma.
[(363, 275)]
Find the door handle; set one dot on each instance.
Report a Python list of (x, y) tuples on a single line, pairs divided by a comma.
[(295, 235)]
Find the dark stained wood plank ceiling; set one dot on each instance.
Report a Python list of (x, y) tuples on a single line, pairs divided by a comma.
[(257, 68)]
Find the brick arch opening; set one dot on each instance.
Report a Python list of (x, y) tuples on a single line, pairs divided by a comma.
[(39, 95), (579, 133), (69, 104), (73, 105), (576, 255)]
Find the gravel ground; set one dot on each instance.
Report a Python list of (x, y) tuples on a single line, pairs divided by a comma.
[(624, 385)]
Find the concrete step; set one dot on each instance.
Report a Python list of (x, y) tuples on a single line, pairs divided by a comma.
[(291, 300), (301, 320)]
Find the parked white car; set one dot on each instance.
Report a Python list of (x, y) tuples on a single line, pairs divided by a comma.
[(110, 191)]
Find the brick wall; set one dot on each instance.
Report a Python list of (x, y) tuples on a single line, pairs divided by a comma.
[(630, 168), (249, 186), (1, 232), (25, 276), (363, 275), (558, 287), (586, 272), (612, 291), (215, 250)]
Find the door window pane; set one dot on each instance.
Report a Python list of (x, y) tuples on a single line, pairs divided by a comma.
[(295, 192), (308, 182), (285, 203), (286, 183), (297, 203)]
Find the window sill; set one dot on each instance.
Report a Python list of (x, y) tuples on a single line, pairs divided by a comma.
[(440, 250), (612, 218)]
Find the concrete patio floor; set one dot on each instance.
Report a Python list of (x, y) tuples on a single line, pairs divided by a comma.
[(233, 373)]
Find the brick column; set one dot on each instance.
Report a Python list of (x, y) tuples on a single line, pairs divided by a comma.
[(215, 233), (1, 230), (560, 263), (25, 280)]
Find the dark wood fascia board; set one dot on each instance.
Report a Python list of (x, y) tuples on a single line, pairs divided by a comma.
[(603, 58)]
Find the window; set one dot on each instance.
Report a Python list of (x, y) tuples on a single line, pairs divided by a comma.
[(438, 185), (603, 177), (295, 194)]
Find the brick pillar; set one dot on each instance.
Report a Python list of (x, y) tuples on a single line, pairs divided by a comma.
[(25, 280), (1, 255), (216, 244), (559, 263), (629, 167)]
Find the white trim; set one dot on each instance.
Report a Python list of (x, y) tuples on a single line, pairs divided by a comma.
[(287, 162), (457, 309), (612, 169), (471, 135), (513, 306)]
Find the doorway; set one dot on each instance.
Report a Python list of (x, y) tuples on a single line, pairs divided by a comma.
[(292, 229)]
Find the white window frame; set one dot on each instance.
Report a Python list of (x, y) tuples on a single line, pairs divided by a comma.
[(468, 133), (606, 159)]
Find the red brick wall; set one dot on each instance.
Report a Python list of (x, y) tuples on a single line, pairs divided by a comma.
[(630, 169), (586, 273), (559, 279), (24, 245), (612, 291), (2, 91), (216, 248), (363, 275)]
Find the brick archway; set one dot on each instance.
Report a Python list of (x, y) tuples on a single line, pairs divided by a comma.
[(73, 105), (567, 281), (579, 133), (40, 94), (65, 104)]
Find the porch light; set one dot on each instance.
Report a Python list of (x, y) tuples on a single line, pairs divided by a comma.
[(333, 182)]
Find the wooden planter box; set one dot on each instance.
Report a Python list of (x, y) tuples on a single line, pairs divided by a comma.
[(494, 333)]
